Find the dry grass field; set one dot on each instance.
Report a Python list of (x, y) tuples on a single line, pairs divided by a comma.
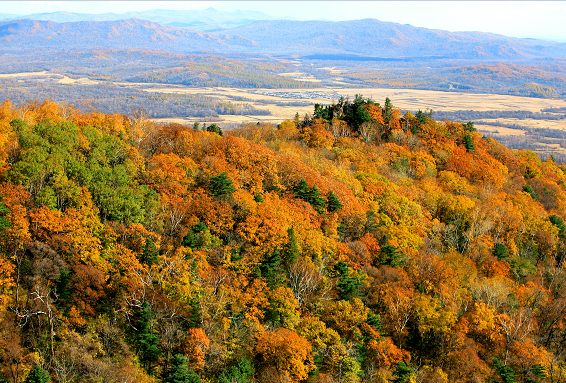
[(402, 98)]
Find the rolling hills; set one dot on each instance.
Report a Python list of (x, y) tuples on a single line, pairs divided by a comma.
[(202, 20), (369, 37)]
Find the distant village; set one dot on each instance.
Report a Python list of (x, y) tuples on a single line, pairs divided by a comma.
[(304, 95)]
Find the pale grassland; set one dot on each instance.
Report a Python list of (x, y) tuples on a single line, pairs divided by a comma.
[(402, 98), (300, 76), (82, 81), (25, 74), (499, 130), (528, 122)]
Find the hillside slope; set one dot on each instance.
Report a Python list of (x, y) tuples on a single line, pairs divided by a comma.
[(122, 34), (361, 245)]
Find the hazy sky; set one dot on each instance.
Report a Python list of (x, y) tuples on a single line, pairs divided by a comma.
[(535, 19)]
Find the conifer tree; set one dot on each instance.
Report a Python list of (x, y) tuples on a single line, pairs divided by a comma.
[(387, 109), (221, 185), (196, 126), (238, 373), (469, 143), (389, 254), (150, 252), (302, 189), (402, 373), (530, 190), (559, 223), (421, 117), (270, 268), (348, 286), (63, 288), (179, 372), (292, 251), (507, 374), (469, 126), (334, 203), (4, 223), (500, 251), (194, 239), (38, 375), (147, 340), (316, 200), (539, 371), (215, 129)]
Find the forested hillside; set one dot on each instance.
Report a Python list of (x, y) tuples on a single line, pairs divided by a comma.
[(358, 244)]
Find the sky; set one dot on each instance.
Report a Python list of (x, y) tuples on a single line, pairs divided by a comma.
[(527, 19)]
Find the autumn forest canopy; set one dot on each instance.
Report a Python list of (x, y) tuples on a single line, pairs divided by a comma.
[(356, 244)]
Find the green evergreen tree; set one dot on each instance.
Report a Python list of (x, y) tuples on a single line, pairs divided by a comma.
[(221, 185), (334, 203), (258, 198), (150, 252), (270, 268), (214, 128), (500, 251), (358, 114), (469, 143), (559, 223), (421, 117), (402, 373), (316, 200), (63, 288), (539, 371), (37, 375), (302, 189), (371, 224), (147, 340), (507, 374), (374, 320), (349, 283), (387, 110), (527, 188), (469, 126), (238, 373), (194, 238), (4, 211), (310, 195), (292, 251), (195, 316), (389, 254), (196, 126), (322, 112), (179, 372)]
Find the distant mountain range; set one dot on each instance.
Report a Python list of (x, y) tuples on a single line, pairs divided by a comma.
[(206, 20), (369, 38)]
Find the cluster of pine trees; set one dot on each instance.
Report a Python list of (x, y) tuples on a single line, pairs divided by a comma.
[(355, 245)]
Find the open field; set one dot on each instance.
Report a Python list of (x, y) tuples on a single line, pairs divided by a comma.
[(24, 74), (402, 98), (499, 130)]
